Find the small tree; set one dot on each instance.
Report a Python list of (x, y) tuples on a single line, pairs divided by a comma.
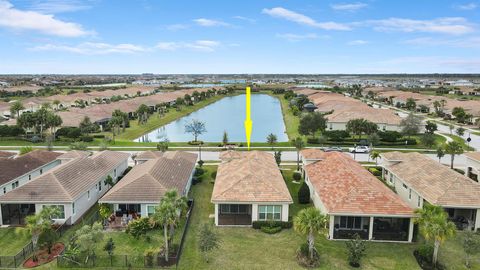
[(109, 247), (271, 139), (304, 194), (411, 125), (105, 210), (225, 138), (109, 181), (196, 128), (310, 221), (471, 246), (163, 145), (16, 107), (428, 140), (440, 153), (430, 127), (278, 157), (411, 105), (453, 148), (87, 238), (356, 250), (374, 139), (208, 240), (460, 131)]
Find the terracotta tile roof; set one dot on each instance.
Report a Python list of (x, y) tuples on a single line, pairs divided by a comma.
[(11, 168), (435, 182), (345, 187), (250, 177), (148, 182), (67, 182), (6, 154), (378, 116), (473, 155), (312, 153), (147, 155)]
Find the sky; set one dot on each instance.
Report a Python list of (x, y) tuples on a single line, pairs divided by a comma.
[(248, 36)]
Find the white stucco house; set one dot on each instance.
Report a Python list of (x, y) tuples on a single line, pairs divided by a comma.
[(73, 187), (249, 187), (356, 202), (16, 171), (140, 191), (472, 170), (418, 179)]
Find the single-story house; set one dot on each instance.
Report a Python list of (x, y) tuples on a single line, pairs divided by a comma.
[(310, 155), (249, 187), (473, 165), (418, 179), (356, 201), (73, 187), (15, 171), (146, 156), (141, 189)]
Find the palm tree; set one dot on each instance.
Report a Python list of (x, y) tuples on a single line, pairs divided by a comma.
[(16, 107), (434, 225), (114, 122), (453, 148), (39, 223), (271, 139), (180, 205), (310, 221), (165, 214), (299, 144), (375, 155)]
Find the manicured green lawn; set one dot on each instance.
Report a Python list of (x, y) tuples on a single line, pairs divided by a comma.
[(291, 121), (12, 240), (461, 141), (246, 248)]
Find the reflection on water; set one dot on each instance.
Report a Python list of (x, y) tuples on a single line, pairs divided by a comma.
[(227, 114)]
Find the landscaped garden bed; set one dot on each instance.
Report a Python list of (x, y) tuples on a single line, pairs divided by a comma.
[(43, 256)]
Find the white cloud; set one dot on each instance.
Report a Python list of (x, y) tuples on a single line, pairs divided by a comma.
[(279, 12), (296, 37), (175, 27), (468, 6), (250, 20), (357, 42), (210, 23), (89, 48), (470, 42), (58, 6), (198, 45), (348, 7), (16, 19), (447, 25)]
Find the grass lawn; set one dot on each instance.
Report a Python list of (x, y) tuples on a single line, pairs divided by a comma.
[(12, 240), (291, 121), (461, 141), (246, 248)]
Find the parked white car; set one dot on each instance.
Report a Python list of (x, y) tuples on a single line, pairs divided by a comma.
[(359, 149)]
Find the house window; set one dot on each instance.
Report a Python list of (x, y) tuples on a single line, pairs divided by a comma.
[(234, 209), (41, 171), (61, 209), (73, 208), (404, 186), (150, 210), (115, 173), (88, 194), (350, 223), (391, 178), (4, 190), (99, 186), (269, 212), (14, 185), (29, 177), (419, 200), (410, 194)]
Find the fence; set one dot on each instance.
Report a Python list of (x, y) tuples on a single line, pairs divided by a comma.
[(129, 261), (27, 251)]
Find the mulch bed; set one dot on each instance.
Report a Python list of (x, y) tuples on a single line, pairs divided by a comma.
[(43, 257)]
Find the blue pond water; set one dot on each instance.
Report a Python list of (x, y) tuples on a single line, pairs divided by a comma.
[(227, 114)]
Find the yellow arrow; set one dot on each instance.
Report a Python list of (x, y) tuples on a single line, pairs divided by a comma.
[(248, 120)]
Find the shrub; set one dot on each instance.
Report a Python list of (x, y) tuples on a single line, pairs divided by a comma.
[(336, 135), (25, 149), (99, 136), (389, 136), (150, 254), (138, 227), (313, 141), (304, 194), (214, 175), (425, 251), (35, 139), (297, 176), (271, 230), (356, 250), (411, 141), (69, 132), (199, 171), (195, 142), (78, 146), (86, 138), (10, 131), (271, 223), (375, 171), (196, 180)]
